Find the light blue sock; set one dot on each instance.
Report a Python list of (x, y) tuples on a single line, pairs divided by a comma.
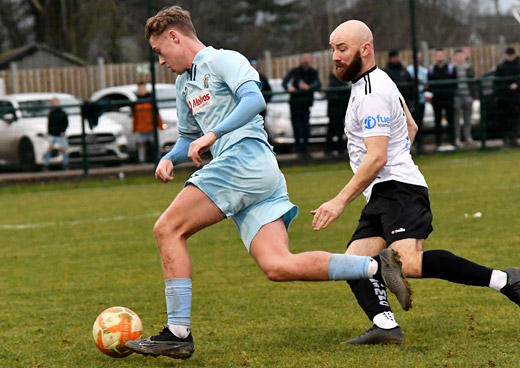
[(178, 301), (348, 267)]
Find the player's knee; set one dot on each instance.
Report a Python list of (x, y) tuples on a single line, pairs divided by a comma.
[(412, 265), (275, 271), (164, 229)]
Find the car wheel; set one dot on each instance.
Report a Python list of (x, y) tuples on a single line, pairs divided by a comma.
[(26, 155)]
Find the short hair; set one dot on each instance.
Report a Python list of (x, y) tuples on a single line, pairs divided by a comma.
[(439, 49), (510, 51), (393, 53), (141, 83), (458, 51), (173, 16)]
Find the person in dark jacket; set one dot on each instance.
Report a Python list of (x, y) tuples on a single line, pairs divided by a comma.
[(443, 95), (58, 123), (266, 87), (508, 94), (398, 73), (337, 102), (301, 82)]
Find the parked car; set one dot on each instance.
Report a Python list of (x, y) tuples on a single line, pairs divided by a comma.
[(23, 132), (122, 98), (278, 119)]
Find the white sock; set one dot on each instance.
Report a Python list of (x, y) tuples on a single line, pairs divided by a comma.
[(385, 320), (372, 267), (498, 280), (179, 330)]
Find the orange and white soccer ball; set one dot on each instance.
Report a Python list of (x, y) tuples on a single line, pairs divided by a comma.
[(113, 328)]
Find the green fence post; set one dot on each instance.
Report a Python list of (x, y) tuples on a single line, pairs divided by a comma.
[(84, 145), (483, 117)]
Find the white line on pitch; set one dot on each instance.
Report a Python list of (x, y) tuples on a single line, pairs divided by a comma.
[(77, 222)]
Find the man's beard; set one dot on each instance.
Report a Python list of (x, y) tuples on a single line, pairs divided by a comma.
[(351, 71)]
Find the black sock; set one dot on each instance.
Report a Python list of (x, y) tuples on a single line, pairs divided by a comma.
[(441, 264), (371, 296)]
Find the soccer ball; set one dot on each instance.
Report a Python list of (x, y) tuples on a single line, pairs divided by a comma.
[(113, 328)]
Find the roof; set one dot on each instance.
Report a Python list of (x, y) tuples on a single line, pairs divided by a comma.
[(20, 53)]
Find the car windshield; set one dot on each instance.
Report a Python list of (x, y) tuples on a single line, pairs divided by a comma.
[(165, 98), (39, 108)]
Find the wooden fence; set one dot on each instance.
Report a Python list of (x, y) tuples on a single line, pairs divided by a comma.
[(83, 81)]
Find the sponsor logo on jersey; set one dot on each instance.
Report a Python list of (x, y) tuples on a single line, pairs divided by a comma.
[(200, 101), (380, 121), (206, 81)]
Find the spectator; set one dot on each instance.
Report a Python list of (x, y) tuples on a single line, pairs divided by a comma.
[(463, 102), (337, 102), (508, 95), (442, 100), (266, 87), (143, 124), (301, 82), (422, 76), (397, 72), (58, 123)]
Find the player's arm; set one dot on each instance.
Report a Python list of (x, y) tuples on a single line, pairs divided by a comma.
[(410, 123), (374, 160), (251, 104)]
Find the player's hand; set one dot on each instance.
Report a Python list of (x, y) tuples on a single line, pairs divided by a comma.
[(513, 86), (164, 171), (326, 213), (291, 89), (199, 146)]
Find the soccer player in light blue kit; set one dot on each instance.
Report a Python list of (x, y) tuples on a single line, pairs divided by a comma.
[(218, 104)]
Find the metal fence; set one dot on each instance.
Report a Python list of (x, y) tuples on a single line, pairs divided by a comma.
[(102, 133)]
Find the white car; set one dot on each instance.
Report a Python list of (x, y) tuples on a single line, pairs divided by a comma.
[(23, 132), (278, 118), (121, 98)]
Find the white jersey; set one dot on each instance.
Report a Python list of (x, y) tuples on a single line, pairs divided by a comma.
[(376, 109)]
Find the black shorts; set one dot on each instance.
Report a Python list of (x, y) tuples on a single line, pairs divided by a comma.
[(396, 211)]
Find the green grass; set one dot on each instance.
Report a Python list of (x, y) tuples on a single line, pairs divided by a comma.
[(91, 247)]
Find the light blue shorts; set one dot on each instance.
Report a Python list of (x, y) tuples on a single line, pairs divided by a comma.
[(58, 141), (246, 184)]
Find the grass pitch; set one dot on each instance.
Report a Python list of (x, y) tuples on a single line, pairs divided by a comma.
[(68, 251)]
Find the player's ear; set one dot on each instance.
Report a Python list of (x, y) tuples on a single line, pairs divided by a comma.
[(173, 35), (366, 48)]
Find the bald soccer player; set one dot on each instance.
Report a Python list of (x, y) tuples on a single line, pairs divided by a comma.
[(218, 105), (380, 131)]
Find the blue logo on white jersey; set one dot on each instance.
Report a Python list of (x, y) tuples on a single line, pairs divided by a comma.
[(382, 121), (370, 122)]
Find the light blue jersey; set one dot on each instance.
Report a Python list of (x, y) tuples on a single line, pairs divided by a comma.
[(206, 95)]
